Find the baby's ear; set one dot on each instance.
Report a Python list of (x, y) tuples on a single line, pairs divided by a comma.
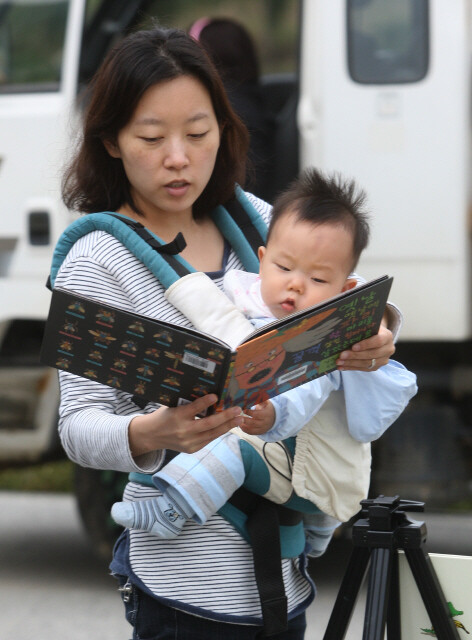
[(349, 284), (260, 254)]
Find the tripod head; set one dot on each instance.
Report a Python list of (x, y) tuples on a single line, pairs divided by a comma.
[(383, 523)]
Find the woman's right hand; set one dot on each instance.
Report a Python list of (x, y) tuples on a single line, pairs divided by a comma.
[(179, 429)]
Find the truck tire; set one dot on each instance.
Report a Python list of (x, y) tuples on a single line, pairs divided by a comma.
[(95, 492)]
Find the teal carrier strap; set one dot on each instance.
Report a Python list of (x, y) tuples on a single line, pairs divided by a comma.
[(239, 222)]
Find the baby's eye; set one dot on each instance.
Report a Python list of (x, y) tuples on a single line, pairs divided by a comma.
[(319, 280), (281, 266)]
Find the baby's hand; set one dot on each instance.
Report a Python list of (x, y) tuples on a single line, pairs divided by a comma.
[(261, 419)]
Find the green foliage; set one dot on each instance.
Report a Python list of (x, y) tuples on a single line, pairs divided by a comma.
[(32, 37), (52, 476)]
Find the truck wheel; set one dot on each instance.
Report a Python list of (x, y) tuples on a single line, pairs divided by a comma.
[(96, 491)]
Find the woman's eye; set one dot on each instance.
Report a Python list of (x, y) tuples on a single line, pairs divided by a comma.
[(150, 140), (197, 136)]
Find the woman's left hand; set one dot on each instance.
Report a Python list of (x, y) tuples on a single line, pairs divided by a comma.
[(370, 354)]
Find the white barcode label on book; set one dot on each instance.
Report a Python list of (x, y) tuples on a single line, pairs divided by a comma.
[(199, 363)]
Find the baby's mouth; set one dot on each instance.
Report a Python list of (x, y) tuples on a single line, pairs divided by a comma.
[(288, 305)]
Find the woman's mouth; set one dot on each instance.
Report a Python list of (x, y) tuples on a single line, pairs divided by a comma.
[(177, 187)]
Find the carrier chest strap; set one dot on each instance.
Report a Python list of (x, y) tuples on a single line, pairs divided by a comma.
[(167, 251)]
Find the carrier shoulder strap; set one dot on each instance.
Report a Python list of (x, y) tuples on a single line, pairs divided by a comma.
[(146, 247), (239, 222), (243, 227)]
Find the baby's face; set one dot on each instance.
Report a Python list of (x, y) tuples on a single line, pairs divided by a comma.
[(304, 264)]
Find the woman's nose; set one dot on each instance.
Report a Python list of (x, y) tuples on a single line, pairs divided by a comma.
[(176, 155)]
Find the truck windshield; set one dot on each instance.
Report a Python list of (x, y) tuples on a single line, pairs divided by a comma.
[(32, 35)]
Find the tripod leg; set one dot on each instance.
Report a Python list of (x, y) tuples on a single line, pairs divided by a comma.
[(394, 631), (347, 595), (432, 594), (377, 594)]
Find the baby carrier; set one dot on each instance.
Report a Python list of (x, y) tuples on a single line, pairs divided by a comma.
[(274, 530)]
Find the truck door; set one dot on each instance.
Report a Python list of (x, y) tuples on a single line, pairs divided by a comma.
[(385, 99), (41, 67)]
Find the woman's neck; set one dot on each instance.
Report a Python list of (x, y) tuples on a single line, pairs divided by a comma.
[(205, 244)]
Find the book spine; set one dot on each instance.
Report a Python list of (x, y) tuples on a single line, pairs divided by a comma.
[(220, 405)]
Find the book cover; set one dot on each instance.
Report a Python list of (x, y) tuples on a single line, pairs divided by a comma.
[(165, 363), (151, 359)]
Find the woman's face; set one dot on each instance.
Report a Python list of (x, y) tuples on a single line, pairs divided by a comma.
[(169, 146)]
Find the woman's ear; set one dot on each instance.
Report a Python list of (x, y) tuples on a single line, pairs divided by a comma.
[(349, 284), (112, 148)]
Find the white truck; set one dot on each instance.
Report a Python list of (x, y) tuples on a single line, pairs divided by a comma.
[(382, 94)]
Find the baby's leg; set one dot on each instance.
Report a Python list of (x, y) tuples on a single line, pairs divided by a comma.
[(194, 486), (319, 529), (163, 516)]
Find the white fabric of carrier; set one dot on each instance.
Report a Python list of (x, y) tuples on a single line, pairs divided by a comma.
[(330, 468), (208, 309)]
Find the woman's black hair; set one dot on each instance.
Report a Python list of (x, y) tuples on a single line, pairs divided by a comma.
[(94, 181)]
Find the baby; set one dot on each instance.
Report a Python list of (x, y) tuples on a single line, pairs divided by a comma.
[(317, 233)]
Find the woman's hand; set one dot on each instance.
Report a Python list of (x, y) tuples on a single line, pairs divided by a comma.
[(370, 354), (179, 429)]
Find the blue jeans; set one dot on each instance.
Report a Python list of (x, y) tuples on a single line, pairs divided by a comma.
[(152, 620)]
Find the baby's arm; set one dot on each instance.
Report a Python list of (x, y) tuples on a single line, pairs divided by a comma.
[(374, 400), (294, 408), (259, 419)]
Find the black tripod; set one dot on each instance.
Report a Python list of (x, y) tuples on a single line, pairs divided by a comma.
[(382, 529)]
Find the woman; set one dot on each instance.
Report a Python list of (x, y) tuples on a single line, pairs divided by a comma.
[(162, 145)]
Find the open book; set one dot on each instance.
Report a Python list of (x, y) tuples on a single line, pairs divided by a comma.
[(171, 365)]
